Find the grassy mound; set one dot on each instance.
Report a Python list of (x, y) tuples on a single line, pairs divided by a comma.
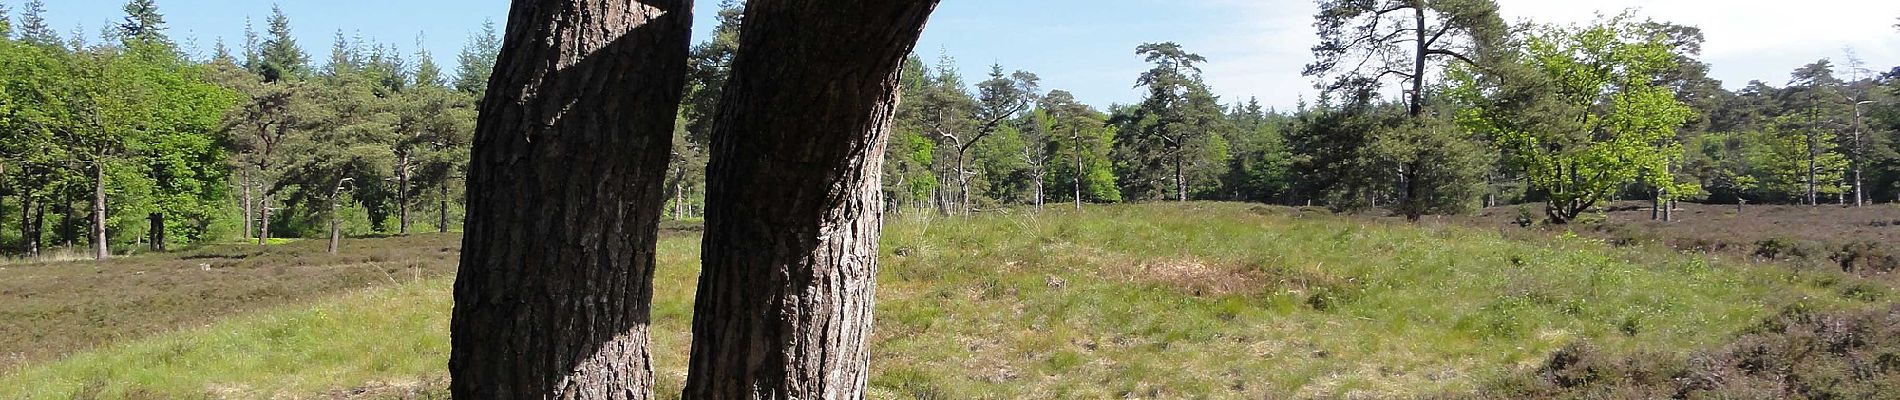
[(1197, 300)]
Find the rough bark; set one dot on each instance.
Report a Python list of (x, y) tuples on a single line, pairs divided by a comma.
[(794, 206), (565, 190)]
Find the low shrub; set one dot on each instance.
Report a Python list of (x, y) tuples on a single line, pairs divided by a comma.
[(1867, 257), (1799, 353)]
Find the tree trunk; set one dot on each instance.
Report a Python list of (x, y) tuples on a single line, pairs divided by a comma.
[(1813, 197), (336, 232), (336, 226), (1656, 205), (39, 228), (29, 232), (1038, 191), (1076, 157), (402, 193), (963, 185), (156, 234), (263, 220), (1669, 210), (793, 208), (101, 250), (1417, 95), (1180, 177), (566, 185), (442, 212), (244, 181), (68, 228)]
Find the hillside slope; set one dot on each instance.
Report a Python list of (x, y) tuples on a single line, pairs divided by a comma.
[(1166, 301)]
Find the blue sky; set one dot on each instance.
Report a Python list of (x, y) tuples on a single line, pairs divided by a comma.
[(1255, 47)]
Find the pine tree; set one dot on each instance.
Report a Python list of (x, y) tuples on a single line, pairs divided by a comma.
[(143, 24), (1171, 145), (427, 74), (477, 61), (279, 57), (6, 23), (33, 27)]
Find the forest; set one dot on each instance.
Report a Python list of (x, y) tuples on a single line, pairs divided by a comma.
[(123, 141), (594, 204)]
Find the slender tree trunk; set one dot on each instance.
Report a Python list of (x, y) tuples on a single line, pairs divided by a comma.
[(68, 227), (244, 182), (402, 193), (101, 250), (679, 192), (1417, 106), (29, 234), (1075, 156), (1656, 204), (336, 226), (156, 234), (1669, 210), (1180, 177), (39, 228), (442, 212), (1860, 159), (263, 220), (963, 185), (1039, 191), (793, 209), (1813, 199), (565, 189)]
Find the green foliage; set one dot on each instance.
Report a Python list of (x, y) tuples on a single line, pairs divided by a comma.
[(1173, 143), (1443, 168), (1581, 115), (477, 61), (280, 58)]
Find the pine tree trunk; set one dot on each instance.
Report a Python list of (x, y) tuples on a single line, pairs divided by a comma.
[(565, 188), (402, 194), (101, 250), (244, 181), (793, 206), (263, 220), (442, 212)]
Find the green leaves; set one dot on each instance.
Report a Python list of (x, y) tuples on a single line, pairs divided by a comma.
[(1581, 114)]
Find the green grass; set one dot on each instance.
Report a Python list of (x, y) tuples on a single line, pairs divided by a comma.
[(1174, 301)]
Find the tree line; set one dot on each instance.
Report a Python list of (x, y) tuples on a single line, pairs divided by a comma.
[(1427, 108), (129, 142)]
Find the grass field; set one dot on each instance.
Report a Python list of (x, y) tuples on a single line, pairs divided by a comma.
[(1204, 300)]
